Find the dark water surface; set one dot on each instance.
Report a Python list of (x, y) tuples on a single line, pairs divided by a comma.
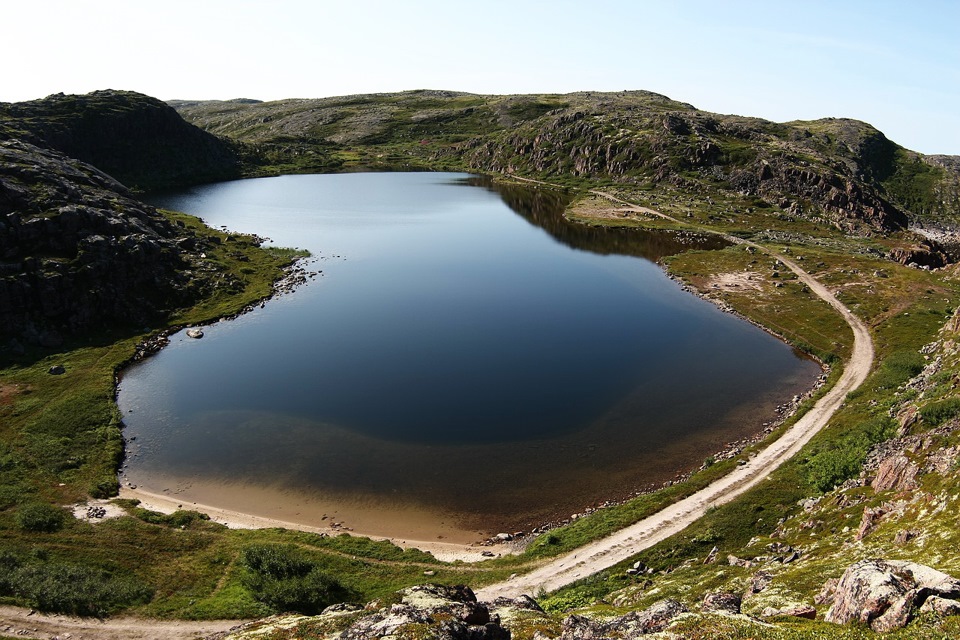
[(466, 353)]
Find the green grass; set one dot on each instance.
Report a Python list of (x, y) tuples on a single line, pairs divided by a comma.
[(61, 441), (905, 307)]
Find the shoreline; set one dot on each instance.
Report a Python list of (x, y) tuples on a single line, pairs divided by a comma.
[(445, 551), (483, 548), (242, 518), (471, 552)]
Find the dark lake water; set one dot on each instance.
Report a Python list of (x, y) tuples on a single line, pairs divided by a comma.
[(467, 356)]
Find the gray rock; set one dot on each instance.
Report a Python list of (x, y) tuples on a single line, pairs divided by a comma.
[(722, 603), (884, 593), (807, 612), (451, 613), (652, 620), (941, 606), (760, 581)]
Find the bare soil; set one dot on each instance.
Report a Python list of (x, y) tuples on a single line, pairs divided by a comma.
[(23, 623)]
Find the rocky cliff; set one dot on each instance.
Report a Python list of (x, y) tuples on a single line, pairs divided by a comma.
[(77, 251), (138, 140), (778, 165)]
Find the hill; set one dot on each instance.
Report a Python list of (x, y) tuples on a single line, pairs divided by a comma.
[(138, 140), (841, 171)]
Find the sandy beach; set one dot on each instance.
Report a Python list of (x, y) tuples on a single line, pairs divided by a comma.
[(403, 521)]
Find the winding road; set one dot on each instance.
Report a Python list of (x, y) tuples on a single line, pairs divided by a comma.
[(620, 546), (562, 571)]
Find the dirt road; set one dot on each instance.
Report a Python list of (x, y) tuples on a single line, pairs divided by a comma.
[(564, 570), (22, 623), (644, 534)]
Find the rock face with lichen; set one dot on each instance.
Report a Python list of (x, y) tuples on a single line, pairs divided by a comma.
[(429, 610), (453, 613), (885, 594)]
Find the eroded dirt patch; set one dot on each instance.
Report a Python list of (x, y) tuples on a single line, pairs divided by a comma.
[(97, 510), (735, 281), (9, 391)]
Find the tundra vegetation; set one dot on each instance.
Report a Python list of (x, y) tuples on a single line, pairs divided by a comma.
[(869, 219)]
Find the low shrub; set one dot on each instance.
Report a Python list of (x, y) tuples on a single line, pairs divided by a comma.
[(76, 589), (285, 579), (57, 587), (936, 413), (40, 517), (841, 459), (176, 520)]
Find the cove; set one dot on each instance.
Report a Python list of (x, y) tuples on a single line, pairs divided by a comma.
[(466, 362)]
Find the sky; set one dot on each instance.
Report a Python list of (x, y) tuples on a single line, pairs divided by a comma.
[(894, 64)]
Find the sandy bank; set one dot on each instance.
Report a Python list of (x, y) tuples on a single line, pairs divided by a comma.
[(446, 551)]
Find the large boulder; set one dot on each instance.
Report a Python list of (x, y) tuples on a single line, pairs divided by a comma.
[(651, 620), (429, 610), (722, 603), (885, 593), (896, 473)]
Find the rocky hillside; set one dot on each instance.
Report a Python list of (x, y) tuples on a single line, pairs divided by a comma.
[(77, 251), (844, 172), (138, 140)]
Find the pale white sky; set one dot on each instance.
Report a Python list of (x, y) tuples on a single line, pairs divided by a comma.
[(894, 64)]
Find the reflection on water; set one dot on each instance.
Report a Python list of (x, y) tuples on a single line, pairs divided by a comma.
[(543, 208), (468, 352)]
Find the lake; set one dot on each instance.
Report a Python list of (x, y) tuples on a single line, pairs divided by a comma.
[(466, 361)]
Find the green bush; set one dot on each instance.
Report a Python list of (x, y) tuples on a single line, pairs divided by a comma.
[(896, 369), (843, 458), (936, 413), (9, 563), (829, 468), (75, 589), (40, 517), (177, 519), (285, 579)]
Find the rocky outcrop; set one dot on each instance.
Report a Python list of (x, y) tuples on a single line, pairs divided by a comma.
[(750, 157), (430, 610), (722, 603), (896, 473), (885, 594), (453, 613), (654, 619), (77, 251), (925, 253), (138, 140)]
